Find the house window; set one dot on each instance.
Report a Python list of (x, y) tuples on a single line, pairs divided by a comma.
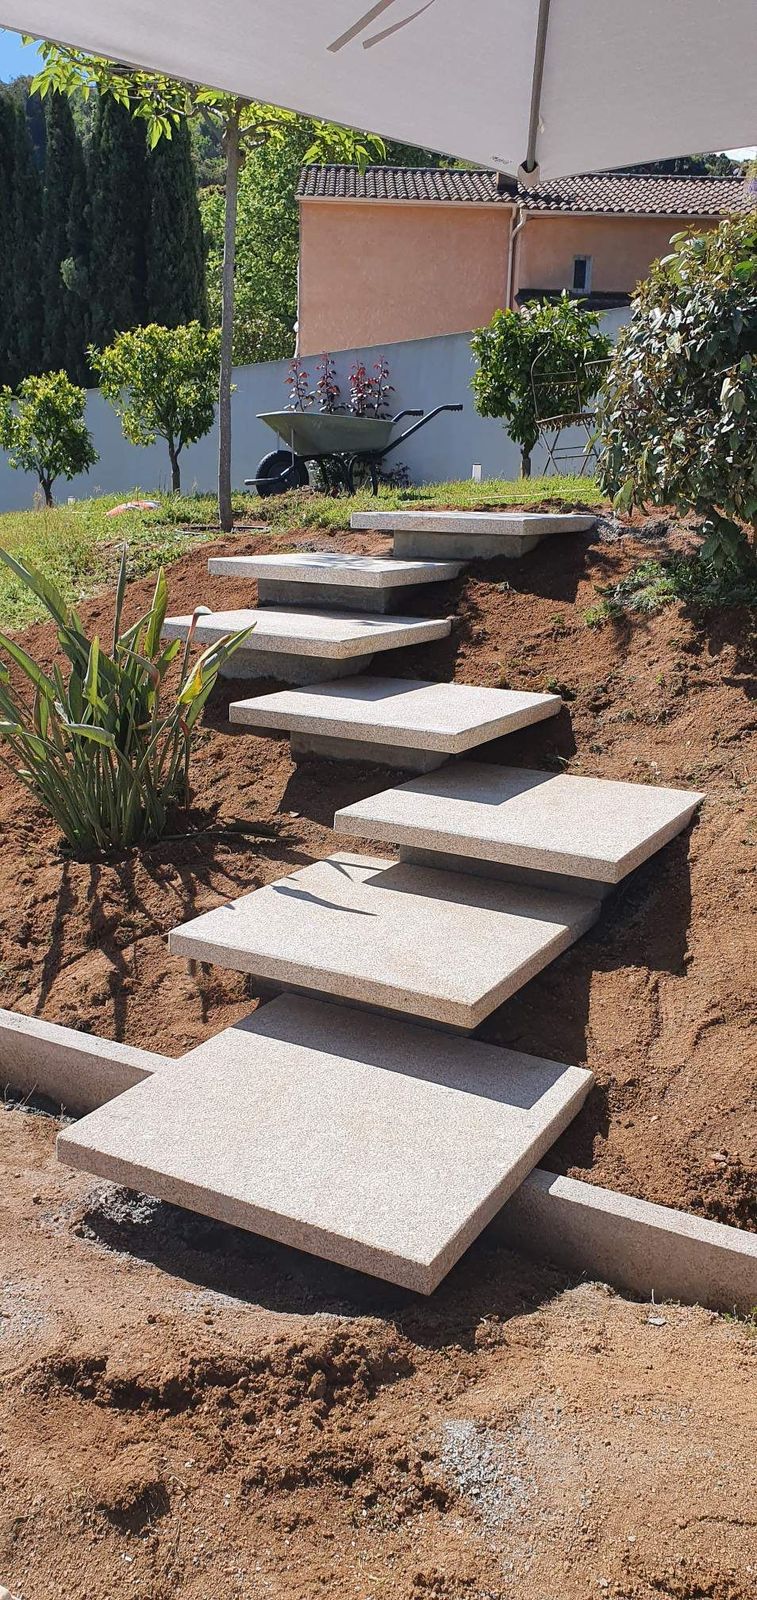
[(582, 274)]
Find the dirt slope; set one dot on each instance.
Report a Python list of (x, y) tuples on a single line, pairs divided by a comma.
[(659, 998), (187, 1413)]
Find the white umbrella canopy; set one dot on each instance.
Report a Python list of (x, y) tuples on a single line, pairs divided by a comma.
[(551, 86)]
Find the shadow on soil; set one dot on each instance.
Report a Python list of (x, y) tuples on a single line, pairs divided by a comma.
[(184, 868), (646, 923), (234, 1269)]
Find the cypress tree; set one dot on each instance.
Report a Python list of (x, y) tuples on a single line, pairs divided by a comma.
[(119, 216), (60, 165), (75, 272), (175, 249), (27, 220), (8, 373)]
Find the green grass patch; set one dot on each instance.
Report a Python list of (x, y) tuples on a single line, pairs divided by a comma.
[(303, 509), (79, 546), (687, 578)]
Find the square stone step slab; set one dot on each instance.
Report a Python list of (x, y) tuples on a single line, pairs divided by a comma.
[(304, 646), (445, 947), (370, 1142), (330, 580), (588, 828), (469, 535), (397, 722)]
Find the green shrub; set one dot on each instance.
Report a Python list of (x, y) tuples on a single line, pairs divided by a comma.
[(698, 583), (107, 749), (163, 384), (563, 340), (678, 417), (44, 430)]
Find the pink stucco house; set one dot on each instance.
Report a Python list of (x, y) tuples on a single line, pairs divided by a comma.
[(402, 253)]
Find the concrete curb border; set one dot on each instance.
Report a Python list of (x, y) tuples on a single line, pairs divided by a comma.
[(78, 1071), (652, 1250)]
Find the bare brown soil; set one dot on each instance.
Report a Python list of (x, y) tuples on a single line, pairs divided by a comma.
[(657, 1000), (190, 1412), (187, 1411)]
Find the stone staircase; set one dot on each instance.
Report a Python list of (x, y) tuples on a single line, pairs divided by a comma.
[(323, 615), (469, 535), (352, 1115), (395, 722)]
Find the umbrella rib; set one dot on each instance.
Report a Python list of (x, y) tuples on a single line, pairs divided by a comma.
[(530, 168), (362, 23)]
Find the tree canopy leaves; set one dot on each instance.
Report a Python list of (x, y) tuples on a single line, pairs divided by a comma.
[(679, 414), (162, 382), (538, 362), (42, 427)]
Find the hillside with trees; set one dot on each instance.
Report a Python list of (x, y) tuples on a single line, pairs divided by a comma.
[(99, 234), (102, 235)]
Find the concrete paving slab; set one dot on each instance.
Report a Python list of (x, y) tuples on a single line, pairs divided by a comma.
[(311, 633), (503, 524), (324, 567), (326, 580), (412, 714), (371, 1142), (304, 646), (469, 535), (443, 946), (590, 828)]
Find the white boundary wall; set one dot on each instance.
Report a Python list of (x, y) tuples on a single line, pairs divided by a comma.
[(425, 372)]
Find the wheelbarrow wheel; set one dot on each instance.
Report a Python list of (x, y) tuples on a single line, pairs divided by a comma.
[(362, 474), (279, 471)]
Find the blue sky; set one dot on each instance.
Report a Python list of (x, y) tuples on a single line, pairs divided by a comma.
[(16, 58)]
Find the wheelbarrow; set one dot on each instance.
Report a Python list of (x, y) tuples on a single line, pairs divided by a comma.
[(347, 449)]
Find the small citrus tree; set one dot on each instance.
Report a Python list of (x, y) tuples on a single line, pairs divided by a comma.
[(42, 427), (563, 340), (163, 383), (679, 414)]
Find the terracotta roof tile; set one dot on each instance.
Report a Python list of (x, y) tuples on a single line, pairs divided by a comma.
[(611, 192)]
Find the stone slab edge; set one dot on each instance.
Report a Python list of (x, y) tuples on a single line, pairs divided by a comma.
[(502, 524), (78, 1071), (652, 1250), (634, 1244)]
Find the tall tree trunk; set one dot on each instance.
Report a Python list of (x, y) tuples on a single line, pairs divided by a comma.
[(525, 463), (232, 141), (175, 468)]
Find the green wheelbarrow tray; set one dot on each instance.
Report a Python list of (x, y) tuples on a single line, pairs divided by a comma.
[(327, 433), (350, 448)]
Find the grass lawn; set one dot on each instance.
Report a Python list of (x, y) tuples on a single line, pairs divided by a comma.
[(303, 509), (79, 546)]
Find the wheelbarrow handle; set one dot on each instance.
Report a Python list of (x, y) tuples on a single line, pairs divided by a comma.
[(401, 414), (424, 418)]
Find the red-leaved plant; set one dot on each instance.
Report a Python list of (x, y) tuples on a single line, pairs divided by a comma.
[(301, 396), (369, 392), (328, 392)]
